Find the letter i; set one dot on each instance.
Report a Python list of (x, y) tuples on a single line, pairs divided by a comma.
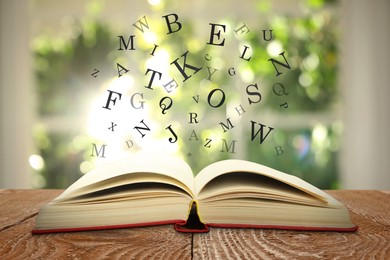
[(154, 49)]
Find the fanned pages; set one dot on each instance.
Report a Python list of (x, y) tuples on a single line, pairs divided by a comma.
[(139, 191)]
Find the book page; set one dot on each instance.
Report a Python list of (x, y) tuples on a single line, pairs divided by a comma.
[(238, 185), (227, 166), (168, 166)]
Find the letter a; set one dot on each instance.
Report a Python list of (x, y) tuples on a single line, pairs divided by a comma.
[(120, 68), (193, 135)]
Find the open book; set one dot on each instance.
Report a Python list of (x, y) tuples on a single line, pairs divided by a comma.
[(139, 191)]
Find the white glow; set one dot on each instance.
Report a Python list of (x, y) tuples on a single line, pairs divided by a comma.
[(36, 162), (99, 119), (274, 48), (320, 134), (247, 75), (125, 118), (305, 79), (160, 61), (154, 2), (150, 37), (86, 166), (311, 62), (120, 114)]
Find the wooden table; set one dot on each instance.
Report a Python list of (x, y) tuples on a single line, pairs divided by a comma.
[(370, 210)]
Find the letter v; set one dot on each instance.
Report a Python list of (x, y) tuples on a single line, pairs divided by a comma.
[(196, 98)]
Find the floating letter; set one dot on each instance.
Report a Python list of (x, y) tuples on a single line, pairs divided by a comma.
[(185, 65), (243, 54), (211, 95), (167, 20), (154, 72), (279, 91), (253, 93), (122, 42), (286, 65), (140, 102), (193, 116), (261, 136), (174, 139), (218, 34), (231, 146), (101, 150), (139, 128), (111, 100), (121, 69), (167, 105), (140, 26), (227, 127), (279, 150)]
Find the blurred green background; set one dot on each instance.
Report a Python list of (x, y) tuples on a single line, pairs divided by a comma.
[(308, 130)]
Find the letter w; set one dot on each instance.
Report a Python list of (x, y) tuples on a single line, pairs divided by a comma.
[(140, 25), (261, 136)]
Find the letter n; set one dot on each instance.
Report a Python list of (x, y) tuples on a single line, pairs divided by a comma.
[(261, 136), (286, 65), (100, 152), (139, 128)]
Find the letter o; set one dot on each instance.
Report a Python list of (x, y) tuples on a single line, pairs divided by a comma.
[(209, 97)]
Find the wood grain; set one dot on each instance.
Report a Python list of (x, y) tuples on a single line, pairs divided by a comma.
[(18, 210), (18, 205), (370, 210), (159, 242)]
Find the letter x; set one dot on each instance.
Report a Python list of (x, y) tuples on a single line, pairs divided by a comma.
[(112, 126)]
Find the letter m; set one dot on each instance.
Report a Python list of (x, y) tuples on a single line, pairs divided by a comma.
[(230, 148), (100, 152), (259, 132), (226, 127), (123, 43)]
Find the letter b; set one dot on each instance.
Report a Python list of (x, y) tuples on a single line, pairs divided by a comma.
[(169, 23)]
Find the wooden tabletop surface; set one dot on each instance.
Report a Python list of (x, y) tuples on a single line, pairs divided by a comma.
[(370, 210)]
